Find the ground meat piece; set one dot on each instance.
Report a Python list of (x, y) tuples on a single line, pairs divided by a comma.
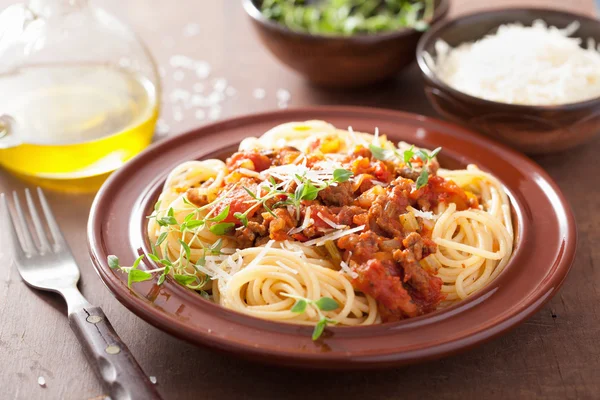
[(196, 198), (363, 246), (366, 183), (247, 235), (360, 151), (408, 173), (280, 225), (426, 288), (286, 155), (382, 281), (339, 195), (386, 209), (414, 172), (349, 215)]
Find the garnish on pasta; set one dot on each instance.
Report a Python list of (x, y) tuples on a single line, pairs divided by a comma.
[(314, 225)]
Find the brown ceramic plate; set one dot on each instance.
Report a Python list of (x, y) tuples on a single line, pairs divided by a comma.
[(545, 248)]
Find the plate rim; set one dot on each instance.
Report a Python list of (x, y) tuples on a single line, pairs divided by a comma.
[(142, 308)]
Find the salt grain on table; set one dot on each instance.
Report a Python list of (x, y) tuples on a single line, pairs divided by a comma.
[(198, 87), (202, 69), (177, 114), (153, 379), (179, 95), (259, 93), (230, 91), (214, 112), (220, 85), (283, 97), (42, 381), (168, 41), (200, 114), (178, 75), (162, 128), (191, 30)]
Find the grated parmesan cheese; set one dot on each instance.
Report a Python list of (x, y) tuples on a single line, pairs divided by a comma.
[(422, 214), (346, 269), (308, 221), (330, 222), (530, 65), (333, 236)]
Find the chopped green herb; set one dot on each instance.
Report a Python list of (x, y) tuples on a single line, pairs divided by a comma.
[(299, 307), (184, 279), (342, 175), (169, 220), (378, 152), (137, 262), (319, 328), (327, 304), (193, 224), (423, 178), (113, 262), (221, 228), (186, 248), (323, 304), (349, 17), (242, 217), (408, 155), (221, 216), (137, 275), (154, 258), (161, 238)]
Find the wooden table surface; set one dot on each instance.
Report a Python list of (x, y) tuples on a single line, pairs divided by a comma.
[(556, 354)]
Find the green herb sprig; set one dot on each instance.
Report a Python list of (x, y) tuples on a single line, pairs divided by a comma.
[(309, 190), (407, 156), (306, 190), (426, 158), (323, 304), (192, 224)]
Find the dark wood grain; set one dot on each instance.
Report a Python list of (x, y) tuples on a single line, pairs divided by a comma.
[(109, 357), (554, 355)]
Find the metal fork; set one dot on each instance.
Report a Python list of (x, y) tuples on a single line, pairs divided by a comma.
[(51, 266)]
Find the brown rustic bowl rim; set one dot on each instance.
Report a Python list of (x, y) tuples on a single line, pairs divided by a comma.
[(252, 10), (434, 33)]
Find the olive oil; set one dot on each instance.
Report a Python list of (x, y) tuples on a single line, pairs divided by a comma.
[(71, 126)]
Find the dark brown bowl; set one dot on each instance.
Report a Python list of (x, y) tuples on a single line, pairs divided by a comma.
[(340, 61), (545, 244), (531, 129)]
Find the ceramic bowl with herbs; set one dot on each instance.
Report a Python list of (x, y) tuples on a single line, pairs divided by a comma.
[(344, 43)]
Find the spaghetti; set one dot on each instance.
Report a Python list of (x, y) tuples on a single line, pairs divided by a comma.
[(311, 224)]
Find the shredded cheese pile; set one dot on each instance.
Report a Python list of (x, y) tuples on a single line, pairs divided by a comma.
[(536, 65)]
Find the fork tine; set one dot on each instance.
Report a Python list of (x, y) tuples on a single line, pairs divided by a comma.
[(10, 227), (28, 244), (54, 228), (37, 223)]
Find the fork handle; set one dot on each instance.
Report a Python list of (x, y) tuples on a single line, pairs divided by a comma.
[(112, 361)]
